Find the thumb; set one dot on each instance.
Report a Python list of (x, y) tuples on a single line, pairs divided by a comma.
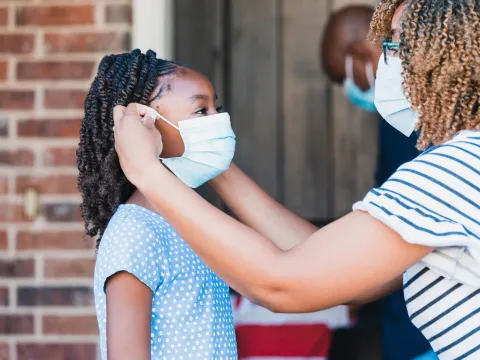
[(148, 121), (118, 113)]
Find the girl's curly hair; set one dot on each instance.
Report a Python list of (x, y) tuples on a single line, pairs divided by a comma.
[(440, 53), (121, 79)]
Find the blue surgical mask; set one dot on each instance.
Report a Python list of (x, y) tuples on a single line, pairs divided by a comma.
[(358, 97), (390, 100), (209, 148)]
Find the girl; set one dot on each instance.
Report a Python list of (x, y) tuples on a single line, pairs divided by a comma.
[(155, 299), (423, 223)]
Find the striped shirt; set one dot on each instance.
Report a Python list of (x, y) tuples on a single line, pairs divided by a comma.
[(434, 200)]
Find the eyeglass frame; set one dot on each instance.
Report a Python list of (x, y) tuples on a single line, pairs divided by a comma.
[(388, 44)]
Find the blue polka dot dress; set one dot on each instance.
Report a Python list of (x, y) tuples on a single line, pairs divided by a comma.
[(191, 308)]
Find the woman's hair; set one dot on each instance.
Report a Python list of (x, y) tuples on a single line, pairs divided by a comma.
[(121, 79), (440, 53)]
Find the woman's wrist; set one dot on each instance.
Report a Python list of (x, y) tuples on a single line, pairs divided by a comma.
[(221, 179), (149, 176)]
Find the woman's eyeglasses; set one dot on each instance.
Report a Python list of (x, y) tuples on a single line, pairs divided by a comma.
[(390, 48)]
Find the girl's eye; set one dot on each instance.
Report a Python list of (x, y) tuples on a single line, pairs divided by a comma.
[(202, 111), (219, 108)]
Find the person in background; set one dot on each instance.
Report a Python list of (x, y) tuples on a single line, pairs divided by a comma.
[(348, 58)]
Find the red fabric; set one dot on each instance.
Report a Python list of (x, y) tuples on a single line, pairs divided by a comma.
[(283, 341)]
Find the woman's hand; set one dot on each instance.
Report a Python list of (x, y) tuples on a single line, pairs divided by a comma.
[(137, 142)]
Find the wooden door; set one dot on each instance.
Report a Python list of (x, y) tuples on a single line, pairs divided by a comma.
[(297, 135)]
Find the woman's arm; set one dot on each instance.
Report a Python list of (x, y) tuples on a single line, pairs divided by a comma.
[(129, 307), (341, 263), (336, 265), (258, 210)]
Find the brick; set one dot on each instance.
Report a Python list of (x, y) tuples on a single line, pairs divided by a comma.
[(16, 43), (4, 351), (3, 16), (64, 351), (4, 296), (118, 14), (3, 185), (12, 213), (16, 157), (70, 325), (55, 296), (87, 42), (3, 240), (3, 70), (49, 128), (18, 268), (50, 184), (55, 15), (62, 212), (60, 157), (16, 324), (60, 268), (55, 70), (65, 99), (16, 99), (54, 240)]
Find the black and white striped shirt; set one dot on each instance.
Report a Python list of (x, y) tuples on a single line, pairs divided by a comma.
[(434, 200)]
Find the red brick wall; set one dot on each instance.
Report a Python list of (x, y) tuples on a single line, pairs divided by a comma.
[(49, 50)]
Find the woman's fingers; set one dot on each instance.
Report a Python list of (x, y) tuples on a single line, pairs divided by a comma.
[(149, 122)]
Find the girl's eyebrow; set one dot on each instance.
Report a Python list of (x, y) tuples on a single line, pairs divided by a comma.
[(204, 97)]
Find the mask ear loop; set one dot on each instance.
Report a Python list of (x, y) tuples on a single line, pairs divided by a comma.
[(349, 67), (153, 113), (370, 75)]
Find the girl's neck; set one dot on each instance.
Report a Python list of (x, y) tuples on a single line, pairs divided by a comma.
[(137, 198)]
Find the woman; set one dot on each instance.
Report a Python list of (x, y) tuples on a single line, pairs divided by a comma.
[(423, 221), (155, 299)]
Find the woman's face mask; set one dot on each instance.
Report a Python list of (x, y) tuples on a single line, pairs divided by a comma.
[(209, 148), (390, 100), (358, 97)]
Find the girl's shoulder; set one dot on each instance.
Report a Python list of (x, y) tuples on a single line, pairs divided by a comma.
[(135, 241), (134, 229)]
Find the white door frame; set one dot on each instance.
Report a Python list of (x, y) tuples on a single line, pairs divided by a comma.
[(153, 27)]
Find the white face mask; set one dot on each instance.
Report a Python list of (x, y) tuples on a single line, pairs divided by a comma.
[(209, 148), (390, 100)]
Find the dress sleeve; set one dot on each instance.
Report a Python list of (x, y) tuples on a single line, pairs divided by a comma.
[(431, 201), (130, 245)]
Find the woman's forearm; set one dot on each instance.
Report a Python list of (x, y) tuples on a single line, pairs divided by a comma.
[(255, 208)]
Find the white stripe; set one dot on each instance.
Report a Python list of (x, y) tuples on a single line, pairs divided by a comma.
[(251, 314)]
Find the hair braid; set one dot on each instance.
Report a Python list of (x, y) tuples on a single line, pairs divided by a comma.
[(121, 79)]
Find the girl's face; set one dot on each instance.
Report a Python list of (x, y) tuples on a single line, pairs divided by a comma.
[(188, 95)]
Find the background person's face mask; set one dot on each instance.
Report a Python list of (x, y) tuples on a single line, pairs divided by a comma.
[(362, 99), (209, 148), (390, 100)]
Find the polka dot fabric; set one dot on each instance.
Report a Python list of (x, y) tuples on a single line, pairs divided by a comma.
[(191, 308)]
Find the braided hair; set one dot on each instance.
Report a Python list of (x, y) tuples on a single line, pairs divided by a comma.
[(121, 79), (440, 53)]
